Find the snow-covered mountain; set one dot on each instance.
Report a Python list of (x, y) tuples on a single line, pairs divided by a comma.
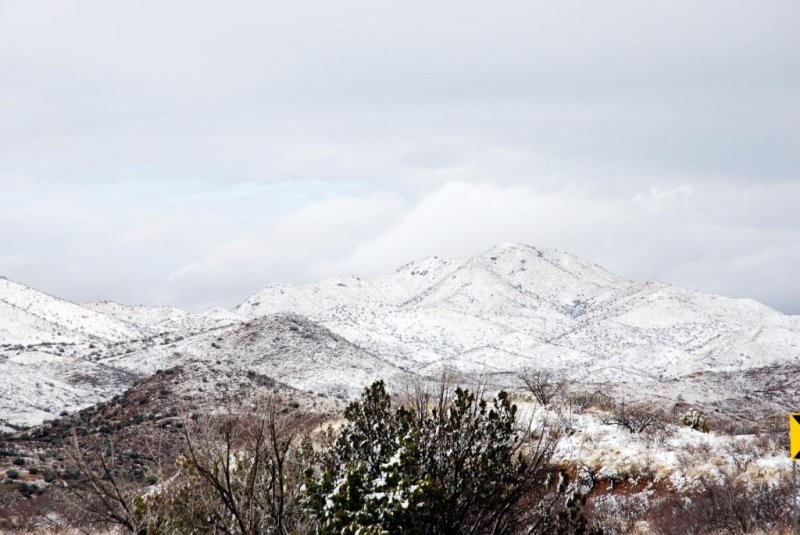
[(511, 307), (517, 306), (161, 320), (28, 316), (286, 348)]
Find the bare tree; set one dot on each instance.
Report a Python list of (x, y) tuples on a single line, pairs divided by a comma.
[(731, 505), (543, 384), (236, 473), (243, 471), (104, 489), (635, 417)]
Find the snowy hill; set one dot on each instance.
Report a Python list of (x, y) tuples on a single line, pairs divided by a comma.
[(28, 316), (286, 348), (161, 320), (511, 307), (517, 306)]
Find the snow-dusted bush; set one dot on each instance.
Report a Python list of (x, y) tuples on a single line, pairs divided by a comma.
[(582, 400), (727, 505), (452, 462), (544, 385), (635, 417), (696, 420)]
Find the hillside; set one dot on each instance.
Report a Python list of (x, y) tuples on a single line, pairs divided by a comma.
[(283, 348), (514, 306), (166, 320), (517, 306), (28, 316)]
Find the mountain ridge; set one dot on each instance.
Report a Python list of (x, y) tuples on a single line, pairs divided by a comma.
[(513, 306), (549, 300)]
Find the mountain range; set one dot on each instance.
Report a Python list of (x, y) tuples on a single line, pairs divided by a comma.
[(513, 307)]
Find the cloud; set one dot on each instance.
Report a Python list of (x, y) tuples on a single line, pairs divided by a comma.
[(15, 262), (289, 248), (670, 235), (169, 228), (150, 153)]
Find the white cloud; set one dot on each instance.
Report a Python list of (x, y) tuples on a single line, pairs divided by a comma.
[(289, 248), (667, 235), (168, 228), (150, 153)]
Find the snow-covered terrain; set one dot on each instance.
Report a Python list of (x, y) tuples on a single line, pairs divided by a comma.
[(514, 306), (28, 316), (164, 320), (518, 306), (285, 348)]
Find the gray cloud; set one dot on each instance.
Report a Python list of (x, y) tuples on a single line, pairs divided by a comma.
[(189, 153)]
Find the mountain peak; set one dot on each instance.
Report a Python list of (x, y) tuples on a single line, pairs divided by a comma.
[(506, 247)]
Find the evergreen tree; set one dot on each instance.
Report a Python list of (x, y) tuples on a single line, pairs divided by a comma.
[(460, 466)]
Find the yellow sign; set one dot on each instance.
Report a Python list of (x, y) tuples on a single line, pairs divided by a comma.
[(794, 436)]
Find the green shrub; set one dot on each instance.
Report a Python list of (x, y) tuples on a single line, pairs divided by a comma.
[(458, 465), (696, 420)]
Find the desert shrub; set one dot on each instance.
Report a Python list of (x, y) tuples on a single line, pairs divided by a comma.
[(581, 401), (728, 505), (696, 420), (449, 463), (635, 417), (776, 427), (617, 514), (29, 489), (656, 435), (12, 474), (543, 385)]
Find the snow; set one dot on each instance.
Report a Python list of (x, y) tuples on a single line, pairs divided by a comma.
[(517, 306), (680, 455), (514, 306), (28, 316)]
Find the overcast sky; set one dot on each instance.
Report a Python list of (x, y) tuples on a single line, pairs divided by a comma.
[(189, 153)]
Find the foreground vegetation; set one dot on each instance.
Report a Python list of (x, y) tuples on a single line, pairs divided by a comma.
[(446, 462), (438, 459)]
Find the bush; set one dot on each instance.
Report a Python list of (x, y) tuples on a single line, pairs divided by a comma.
[(695, 420), (635, 417), (731, 505), (12, 474), (543, 385), (444, 463), (581, 401), (451, 463)]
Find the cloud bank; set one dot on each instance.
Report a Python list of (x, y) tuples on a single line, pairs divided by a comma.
[(190, 153)]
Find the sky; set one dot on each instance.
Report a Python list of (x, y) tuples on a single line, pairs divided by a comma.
[(192, 152)]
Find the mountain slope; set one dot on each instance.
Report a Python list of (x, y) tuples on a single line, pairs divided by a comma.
[(287, 348), (28, 316), (162, 320), (517, 306), (510, 307)]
